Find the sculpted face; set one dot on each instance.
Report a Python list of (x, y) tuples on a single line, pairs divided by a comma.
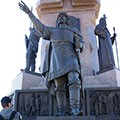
[(103, 22), (62, 20)]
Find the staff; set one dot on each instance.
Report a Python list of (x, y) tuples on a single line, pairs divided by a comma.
[(116, 48), (79, 60)]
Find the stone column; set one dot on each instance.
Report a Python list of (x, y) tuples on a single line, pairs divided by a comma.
[(87, 11)]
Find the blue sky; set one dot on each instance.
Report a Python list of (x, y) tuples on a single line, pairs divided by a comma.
[(14, 25)]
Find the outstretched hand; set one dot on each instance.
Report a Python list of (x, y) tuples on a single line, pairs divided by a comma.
[(23, 7)]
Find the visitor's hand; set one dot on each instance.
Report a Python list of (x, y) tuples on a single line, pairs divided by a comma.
[(24, 7)]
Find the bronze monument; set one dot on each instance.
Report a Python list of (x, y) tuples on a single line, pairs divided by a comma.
[(61, 67)]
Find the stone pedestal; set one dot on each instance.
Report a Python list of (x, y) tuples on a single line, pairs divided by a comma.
[(103, 103), (108, 118), (67, 118), (109, 78), (28, 80), (87, 11)]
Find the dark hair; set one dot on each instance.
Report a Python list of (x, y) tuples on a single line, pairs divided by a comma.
[(4, 101)]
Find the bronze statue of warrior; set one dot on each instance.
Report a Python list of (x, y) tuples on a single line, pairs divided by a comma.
[(61, 67)]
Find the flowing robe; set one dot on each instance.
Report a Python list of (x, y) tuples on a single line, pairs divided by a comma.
[(105, 51), (61, 56)]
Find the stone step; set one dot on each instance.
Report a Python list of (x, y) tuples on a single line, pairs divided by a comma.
[(66, 118), (109, 117)]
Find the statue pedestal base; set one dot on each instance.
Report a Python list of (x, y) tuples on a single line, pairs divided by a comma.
[(109, 78), (28, 80), (108, 118), (102, 96), (103, 103), (67, 118)]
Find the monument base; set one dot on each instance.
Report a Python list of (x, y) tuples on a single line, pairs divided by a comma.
[(28, 80), (108, 118), (110, 78), (67, 118), (103, 103), (102, 96)]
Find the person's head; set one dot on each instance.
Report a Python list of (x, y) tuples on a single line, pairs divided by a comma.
[(6, 102), (62, 19)]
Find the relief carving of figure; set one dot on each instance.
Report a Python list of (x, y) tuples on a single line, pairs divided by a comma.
[(116, 104), (94, 104), (103, 104), (37, 105), (31, 106)]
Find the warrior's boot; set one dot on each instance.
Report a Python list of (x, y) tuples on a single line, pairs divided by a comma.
[(74, 93), (33, 67), (61, 102)]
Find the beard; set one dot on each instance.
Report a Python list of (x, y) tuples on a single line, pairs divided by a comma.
[(61, 22)]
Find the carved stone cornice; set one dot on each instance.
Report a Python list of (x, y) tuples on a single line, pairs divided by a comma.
[(55, 6), (48, 6), (87, 5)]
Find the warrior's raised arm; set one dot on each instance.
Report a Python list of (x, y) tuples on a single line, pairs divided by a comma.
[(37, 23)]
